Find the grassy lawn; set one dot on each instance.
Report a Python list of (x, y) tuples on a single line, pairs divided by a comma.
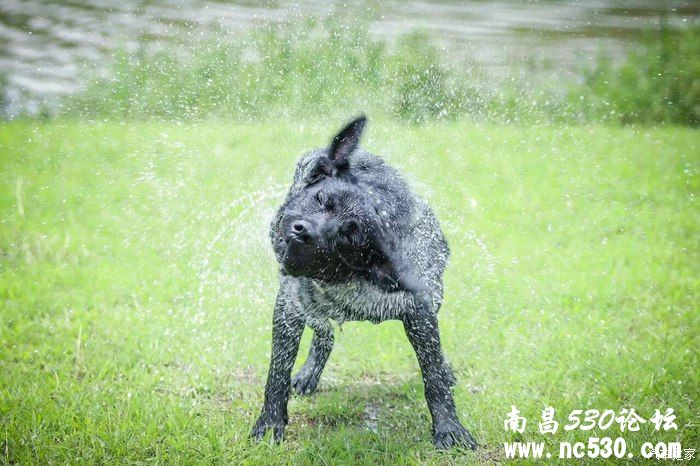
[(137, 283)]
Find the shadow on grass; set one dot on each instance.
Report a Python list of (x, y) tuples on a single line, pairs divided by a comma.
[(377, 418)]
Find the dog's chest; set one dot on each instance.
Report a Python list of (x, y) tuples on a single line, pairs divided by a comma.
[(358, 300)]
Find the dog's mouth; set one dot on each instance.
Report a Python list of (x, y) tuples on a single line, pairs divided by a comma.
[(314, 257), (301, 259), (298, 257)]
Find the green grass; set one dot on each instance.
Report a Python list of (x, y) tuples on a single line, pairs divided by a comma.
[(137, 283)]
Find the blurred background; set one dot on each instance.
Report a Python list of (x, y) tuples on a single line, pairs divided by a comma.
[(573, 61)]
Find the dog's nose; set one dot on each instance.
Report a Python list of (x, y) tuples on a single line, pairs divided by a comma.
[(302, 230)]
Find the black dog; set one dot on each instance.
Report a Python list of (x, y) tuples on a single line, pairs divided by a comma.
[(355, 244)]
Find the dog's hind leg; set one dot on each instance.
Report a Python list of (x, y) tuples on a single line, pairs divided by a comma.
[(306, 380)]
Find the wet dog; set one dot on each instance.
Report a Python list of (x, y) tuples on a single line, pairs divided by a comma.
[(354, 243)]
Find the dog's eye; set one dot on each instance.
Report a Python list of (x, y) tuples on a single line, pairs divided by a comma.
[(324, 201), (321, 198), (349, 231)]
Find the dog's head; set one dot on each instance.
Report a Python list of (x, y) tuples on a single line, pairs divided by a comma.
[(336, 227)]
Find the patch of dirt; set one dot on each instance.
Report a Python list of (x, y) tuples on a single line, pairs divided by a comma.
[(371, 417)]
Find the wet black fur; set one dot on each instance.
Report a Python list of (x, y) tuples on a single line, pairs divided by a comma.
[(354, 243)]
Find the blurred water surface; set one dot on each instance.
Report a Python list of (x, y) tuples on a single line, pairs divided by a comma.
[(45, 45)]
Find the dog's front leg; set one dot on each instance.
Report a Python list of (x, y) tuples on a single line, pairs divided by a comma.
[(421, 327), (287, 327)]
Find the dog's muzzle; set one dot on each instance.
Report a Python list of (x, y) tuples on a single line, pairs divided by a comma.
[(301, 231)]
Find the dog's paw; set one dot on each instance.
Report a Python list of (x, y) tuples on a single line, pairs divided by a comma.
[(454, 436), (264, 424), (304, 383)]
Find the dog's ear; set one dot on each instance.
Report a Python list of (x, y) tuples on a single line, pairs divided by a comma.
[(393, 273), (345, 142)]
